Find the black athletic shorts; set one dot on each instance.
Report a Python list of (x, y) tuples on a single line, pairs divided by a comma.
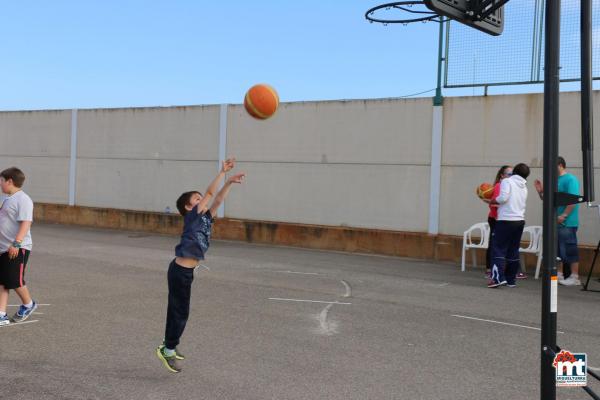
[(12, 272)]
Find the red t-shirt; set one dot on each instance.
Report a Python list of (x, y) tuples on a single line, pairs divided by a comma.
[(494, 208)]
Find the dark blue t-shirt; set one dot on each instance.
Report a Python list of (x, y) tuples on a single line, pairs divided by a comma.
[(195, 238)]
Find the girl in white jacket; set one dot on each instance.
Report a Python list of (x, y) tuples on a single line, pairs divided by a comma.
[(509, 228)]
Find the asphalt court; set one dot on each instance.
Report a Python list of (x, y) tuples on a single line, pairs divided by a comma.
[(277, 323)]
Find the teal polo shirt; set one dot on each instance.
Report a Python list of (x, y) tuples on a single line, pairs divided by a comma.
[(568, 183)]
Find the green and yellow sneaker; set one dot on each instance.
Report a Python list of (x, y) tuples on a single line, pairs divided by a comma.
[(170, 362)]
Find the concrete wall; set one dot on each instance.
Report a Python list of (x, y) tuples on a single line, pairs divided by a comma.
[(362, 164), (351, 163), (142, 159), (40, 143)]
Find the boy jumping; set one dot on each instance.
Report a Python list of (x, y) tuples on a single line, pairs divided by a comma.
[(195, 239)]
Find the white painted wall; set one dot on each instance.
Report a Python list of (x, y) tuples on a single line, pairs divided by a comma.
[(354, 163), (342, 163), (144, 158)]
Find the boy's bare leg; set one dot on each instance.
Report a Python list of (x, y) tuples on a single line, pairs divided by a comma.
[(23, 293), (3, 299)]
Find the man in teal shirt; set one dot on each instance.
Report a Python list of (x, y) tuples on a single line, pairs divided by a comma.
[(568, 222)]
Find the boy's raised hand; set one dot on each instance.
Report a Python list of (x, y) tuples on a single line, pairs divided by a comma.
[(237, 178), (228, 165)]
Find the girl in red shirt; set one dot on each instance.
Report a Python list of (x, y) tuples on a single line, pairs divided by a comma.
[(504, 172)]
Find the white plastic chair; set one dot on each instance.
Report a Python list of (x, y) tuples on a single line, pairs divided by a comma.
[(482, 230), (534, 235)]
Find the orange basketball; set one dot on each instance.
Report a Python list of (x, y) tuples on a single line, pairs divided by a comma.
[(261, 101), (485, 191)]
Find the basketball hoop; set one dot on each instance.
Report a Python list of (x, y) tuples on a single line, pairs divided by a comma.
[(411, 7)]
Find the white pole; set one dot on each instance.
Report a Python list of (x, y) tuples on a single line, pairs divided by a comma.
[(436, 168), (73, 159), (222, 147)]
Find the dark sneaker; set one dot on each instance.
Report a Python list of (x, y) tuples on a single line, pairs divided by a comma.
[(521, 275), (170, 362), (511, 285), (4, 320), (494, 283), (24, 312), (178, 355)]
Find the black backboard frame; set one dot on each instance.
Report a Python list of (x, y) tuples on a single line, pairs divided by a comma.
[(468, 12)]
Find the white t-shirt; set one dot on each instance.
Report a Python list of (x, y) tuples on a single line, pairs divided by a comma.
[(14, 210)]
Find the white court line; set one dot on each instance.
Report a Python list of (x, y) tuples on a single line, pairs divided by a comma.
[(348, 289), (500, 323), (325, 327), (300, 273), (17, 305), (19, 323), (307, 301)]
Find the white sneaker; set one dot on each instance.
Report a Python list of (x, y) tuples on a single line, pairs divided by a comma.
[(560, 276), (570, 281)]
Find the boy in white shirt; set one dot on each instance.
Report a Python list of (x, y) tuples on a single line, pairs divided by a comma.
[(16, 216)]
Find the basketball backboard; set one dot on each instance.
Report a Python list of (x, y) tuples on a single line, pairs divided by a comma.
[(475, 13)]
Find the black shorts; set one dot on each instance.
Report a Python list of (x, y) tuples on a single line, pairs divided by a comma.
[(12, 272)]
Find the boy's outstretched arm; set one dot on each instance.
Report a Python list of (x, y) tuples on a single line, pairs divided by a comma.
[(540, 188), (238, 178), (211, 190)]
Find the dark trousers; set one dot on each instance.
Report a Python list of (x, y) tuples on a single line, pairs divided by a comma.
[(180, 290), (505, 250), (488, 252)]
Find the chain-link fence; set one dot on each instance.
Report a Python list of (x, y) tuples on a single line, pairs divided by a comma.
[(517, 56)]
